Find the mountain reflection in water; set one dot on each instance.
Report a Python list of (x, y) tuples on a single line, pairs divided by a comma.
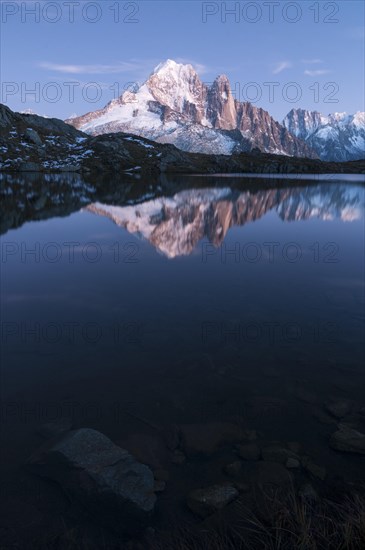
[(175, 213), (175, 225)]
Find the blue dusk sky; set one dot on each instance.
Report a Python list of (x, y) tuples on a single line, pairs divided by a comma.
[(78, 55)]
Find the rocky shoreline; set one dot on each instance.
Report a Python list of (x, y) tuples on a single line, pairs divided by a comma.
[(29, 143), (121, 484)]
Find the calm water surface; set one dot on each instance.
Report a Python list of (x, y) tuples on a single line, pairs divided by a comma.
[(195, 300)]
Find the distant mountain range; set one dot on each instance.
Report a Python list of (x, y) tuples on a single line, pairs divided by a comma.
[(174, 106), (336, 137)]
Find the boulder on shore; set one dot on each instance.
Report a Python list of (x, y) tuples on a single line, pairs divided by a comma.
[(208, 500), (104, 478)]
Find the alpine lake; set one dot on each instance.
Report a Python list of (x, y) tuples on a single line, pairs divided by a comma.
[(212, 326)]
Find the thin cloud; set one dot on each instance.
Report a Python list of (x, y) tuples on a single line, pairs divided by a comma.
[(318, 72), (90, 69), (281, 67), (312, 61), (102, 85), (138, 67)]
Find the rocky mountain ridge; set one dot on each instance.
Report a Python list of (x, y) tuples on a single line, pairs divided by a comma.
[(175, 106), (29, 143)]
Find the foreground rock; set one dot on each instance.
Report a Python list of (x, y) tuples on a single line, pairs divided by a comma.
[(104, 478), (348, 440), (205, 502)]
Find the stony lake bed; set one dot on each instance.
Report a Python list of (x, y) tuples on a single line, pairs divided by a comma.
[(182, 360)]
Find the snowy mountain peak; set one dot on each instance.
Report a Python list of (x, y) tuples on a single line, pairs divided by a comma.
[(222, 78), (338, 116), (171, 66), (176, 85), (223, 84), (175, 106), (359, 119), (175, 72)]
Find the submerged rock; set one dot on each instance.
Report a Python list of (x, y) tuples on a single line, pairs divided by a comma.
[(305, 395), (242, 487), (250, 451), (161, 475), (178, 457), (348, 440), (322, 416), (159, 486), (275, 453), (54, 429), (355, 421), (207, 438), (292, 463), (315, 470), (233, 468), (148, 449), (339, 407), (205, 502), (295, 446), (104, 478), (171, 436), (272, 476)]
